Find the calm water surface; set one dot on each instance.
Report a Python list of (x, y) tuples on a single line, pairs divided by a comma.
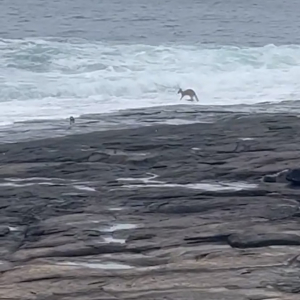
[(230, 22)]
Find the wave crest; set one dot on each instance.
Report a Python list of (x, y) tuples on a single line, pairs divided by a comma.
[(76, 75)]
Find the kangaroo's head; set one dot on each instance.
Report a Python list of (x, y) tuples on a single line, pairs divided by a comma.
[(179, 91)]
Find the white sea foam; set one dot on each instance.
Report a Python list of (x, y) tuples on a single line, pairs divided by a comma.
[(42, 79)]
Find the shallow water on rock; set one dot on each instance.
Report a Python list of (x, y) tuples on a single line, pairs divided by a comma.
[(37, 179), (116, 208), (116, 227), (149, 182), (98, 265), (246, 139), (11, 184), (84, 188), (110, 239), (12, 228), (143, 179), (23, 182), (198, 186)]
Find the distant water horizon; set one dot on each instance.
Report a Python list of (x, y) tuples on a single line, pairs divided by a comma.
[(65, 58)]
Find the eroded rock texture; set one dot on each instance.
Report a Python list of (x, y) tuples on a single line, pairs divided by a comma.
[(159, 212)]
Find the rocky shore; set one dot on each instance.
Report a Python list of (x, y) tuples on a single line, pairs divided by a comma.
[(156, 212)]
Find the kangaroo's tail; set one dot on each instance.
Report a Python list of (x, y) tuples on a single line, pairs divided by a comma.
[(196, 97)]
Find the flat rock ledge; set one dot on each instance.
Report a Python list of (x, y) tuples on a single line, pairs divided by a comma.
[(157, 212)]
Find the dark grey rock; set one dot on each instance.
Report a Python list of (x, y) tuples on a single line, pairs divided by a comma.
[(98, 157), (293, 176), (4, 231), (248, 240), (280, 177), (69, 250), (214, 244)]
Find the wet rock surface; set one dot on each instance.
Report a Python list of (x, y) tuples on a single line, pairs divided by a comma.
[(158, 212)]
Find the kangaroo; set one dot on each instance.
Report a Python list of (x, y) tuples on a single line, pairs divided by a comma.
[(189, 92)]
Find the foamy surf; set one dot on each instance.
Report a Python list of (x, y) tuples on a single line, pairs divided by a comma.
[(52, 79)]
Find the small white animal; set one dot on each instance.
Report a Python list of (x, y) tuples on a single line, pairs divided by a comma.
[(189, 92)]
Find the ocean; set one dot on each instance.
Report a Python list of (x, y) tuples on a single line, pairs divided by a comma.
[(61, 58)]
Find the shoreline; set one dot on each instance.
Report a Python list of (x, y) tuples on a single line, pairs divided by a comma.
[(176, 114), (153, 211)]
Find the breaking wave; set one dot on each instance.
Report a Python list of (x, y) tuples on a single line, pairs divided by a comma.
[(52, 78)]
